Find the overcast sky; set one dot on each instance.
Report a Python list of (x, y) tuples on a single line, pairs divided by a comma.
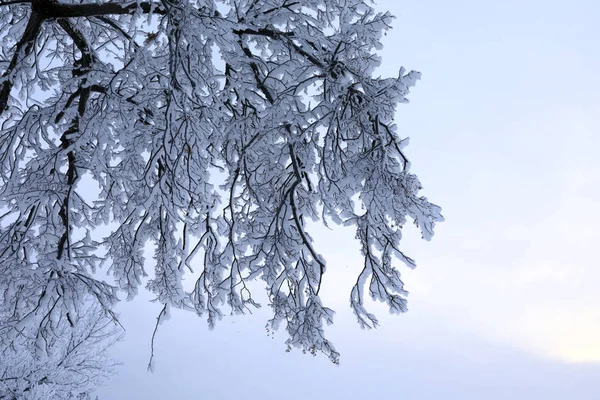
[(504, 304)]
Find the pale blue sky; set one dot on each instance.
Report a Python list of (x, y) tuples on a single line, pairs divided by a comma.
[(504, 303)]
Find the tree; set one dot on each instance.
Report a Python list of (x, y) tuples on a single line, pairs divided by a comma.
[(211, 129), (67, 365)]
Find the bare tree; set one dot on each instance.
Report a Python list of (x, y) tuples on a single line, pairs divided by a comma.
[(213, 130)]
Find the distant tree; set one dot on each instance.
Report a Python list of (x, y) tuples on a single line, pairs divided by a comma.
[(69, 364), (212, 129)]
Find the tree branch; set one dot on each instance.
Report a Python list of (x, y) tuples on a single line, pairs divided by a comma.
[(59, 10), (23, 49), (263, 32), (117, 28), (85, 64), (8, 3)]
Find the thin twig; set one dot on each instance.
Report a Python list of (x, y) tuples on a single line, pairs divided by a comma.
[(160, 315)]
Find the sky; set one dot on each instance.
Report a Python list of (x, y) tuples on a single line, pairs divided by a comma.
[(504, 304)]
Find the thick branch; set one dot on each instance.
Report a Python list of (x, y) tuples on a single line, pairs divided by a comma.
[(84, 90), (259, 82), (8, 3), (23, 49), (263, 32), (59, 10), (79, 41)]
